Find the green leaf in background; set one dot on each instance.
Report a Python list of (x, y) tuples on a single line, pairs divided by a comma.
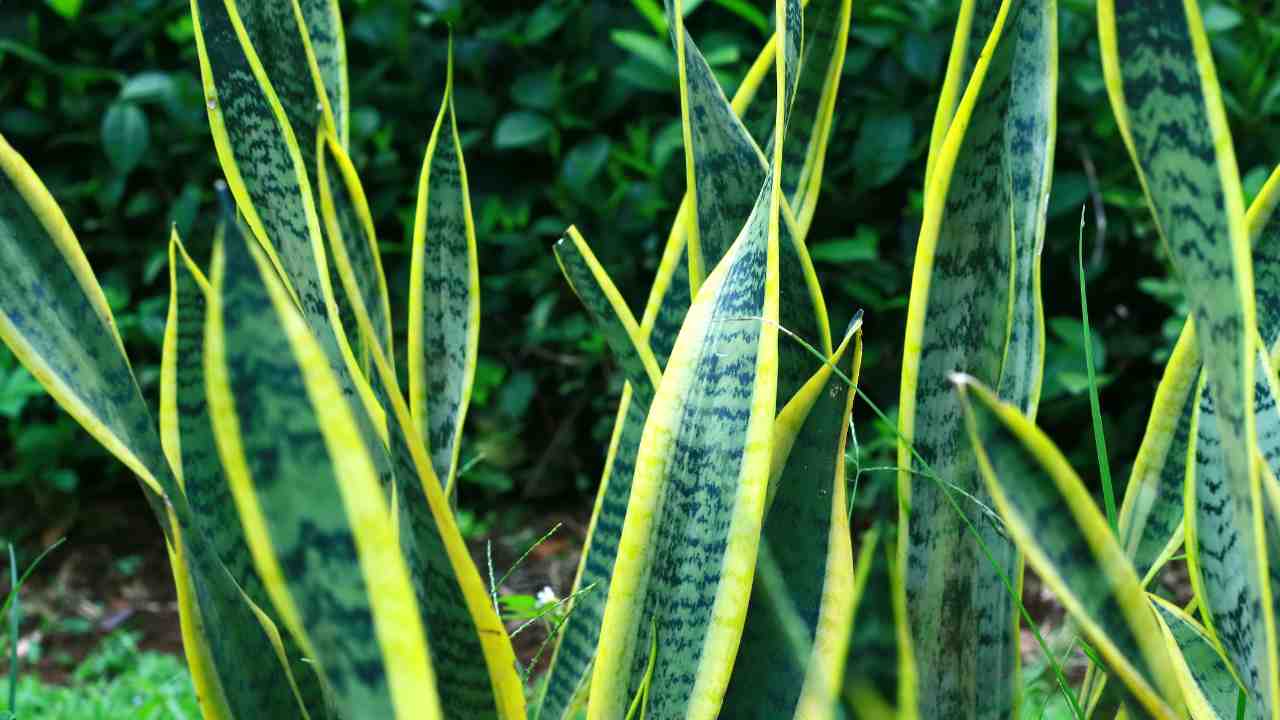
[(521, 128), (148, 87), (1074, 552), (585, 161), (882, 147), (69, 9), (648, 48), (864, 245), (125, 136)]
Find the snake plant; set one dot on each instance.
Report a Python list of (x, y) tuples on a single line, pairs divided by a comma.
[(303, 495)]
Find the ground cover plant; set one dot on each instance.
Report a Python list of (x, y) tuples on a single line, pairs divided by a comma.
[(304, 465)]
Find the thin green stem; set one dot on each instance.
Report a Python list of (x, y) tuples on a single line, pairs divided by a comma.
[(1099, 435)]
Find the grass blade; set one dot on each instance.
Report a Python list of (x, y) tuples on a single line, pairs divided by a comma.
[(1099, 434)]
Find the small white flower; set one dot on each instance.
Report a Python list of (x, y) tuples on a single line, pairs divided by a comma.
[(546, 596)]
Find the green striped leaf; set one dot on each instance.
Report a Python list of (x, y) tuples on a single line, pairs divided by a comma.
[(187, 436), (723, 166), (266, 169), (1073, 552), (795, 640), (609, 311), (975, 305), (475, 663), (444, 295), (328, 49), (973, 25), (1151, 516), (353, 245), (693, 523), (665, 310), (1214, 531), (1204, 674), (1167, 103), (55, 319), (308, 492)]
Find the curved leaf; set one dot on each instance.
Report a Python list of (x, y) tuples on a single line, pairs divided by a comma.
[(1203, 671), (1073, 552)]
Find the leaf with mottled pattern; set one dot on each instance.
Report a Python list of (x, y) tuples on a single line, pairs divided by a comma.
[(1073, 552), (444, 295), (975, 306)]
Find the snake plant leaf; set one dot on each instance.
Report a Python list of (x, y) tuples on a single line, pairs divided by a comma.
[(444, 295), (268, 172), (1215, 525), (308, 492), (1151, 514), (826, 33), (354, 247), (55, 318), (973, 25), (974, 306), (474, 661), (688, 544), (592, 285), (1074, 552), (723, 166), (188, 440), (326, 41), (665, 310), (795, 640), (1167, 102), (1208, 685)]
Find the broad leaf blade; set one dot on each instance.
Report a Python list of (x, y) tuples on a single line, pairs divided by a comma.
[(1167, 102), (188, 440), (1204, 674), (444, 295), (308, 493), (55, 319), (791, 658), (1073, 552), (974, 305)]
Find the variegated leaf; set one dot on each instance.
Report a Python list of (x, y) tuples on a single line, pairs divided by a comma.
[(975, 306), (1164, 91), (444, 295), (306, 485), (1051, 516)]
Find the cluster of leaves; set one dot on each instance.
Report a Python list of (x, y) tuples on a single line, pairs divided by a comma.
[(567, 113)]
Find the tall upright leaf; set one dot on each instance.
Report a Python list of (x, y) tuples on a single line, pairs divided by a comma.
[(975, 305), (797, 631), (308, 493), (444, 295), (687, 552), (1164, 91)]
